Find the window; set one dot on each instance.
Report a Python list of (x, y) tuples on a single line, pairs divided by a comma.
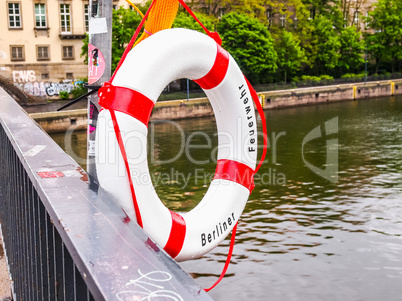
[(312, 14), (269, 16), (14, 15), (45, 75), (17, 53), (65, 18), (367, 19), (114, 7), (42, 53), (221, 12), (68, 52), (40, 15), (356, 18), (283, 20), (69, 75), (86, 17)]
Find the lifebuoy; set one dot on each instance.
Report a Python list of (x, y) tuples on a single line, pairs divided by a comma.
[(148, 68)]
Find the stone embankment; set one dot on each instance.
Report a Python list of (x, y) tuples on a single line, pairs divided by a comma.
[(200, 107), (5, 282)]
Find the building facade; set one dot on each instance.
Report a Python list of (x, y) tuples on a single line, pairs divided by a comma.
[(40, 43), (41, 40)]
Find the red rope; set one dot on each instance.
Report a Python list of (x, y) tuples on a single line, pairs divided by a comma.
[(188, 9), (123, 153), (264, 152), (225, 268), (132, 41), (115, 124), (263, 121), (213, 35)]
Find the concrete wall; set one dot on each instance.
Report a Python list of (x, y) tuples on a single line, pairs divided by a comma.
[(53, 122), (305, 96), (200, 107), (182, 109)]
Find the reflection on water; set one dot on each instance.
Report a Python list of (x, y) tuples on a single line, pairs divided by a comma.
[(75, 144), (302, 237)]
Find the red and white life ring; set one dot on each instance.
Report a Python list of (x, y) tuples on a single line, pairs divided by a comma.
[(148, 68)]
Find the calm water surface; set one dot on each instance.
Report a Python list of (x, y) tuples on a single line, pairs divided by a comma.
[(301, 237)]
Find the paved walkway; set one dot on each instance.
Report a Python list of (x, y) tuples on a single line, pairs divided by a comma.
[(5, 283)]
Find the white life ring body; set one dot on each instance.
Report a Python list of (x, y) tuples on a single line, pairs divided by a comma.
[(148, 68)]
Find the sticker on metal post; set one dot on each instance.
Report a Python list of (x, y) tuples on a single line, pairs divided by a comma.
[(91, 148), (96, 64)]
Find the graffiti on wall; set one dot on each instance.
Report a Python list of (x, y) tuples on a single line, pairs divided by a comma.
[(26, 81)]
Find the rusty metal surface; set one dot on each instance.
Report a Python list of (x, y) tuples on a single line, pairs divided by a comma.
[(114, 257)]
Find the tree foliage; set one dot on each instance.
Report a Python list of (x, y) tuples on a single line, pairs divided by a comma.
[(124, 23), (250, 43), (184, 20), (352, 49), (290, 54), (325, 46), (386, 41)]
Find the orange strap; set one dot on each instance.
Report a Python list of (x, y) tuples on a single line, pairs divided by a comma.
[(162, 17)]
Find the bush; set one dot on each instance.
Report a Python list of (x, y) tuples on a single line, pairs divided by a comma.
[(63, 95), (328, 78), (387, 75), (310, 78), (353, 75), (79, 89)]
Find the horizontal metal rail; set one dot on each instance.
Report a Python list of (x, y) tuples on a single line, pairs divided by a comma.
[(65, 241)]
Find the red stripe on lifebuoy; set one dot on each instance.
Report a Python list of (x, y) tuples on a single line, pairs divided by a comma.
[(126, 101), (236, 172), (218, 71), (177, 235)]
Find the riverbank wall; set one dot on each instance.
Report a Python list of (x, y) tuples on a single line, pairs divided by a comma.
[(200, 107)]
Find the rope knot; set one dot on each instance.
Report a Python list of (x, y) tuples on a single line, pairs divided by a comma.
[(106, 95)]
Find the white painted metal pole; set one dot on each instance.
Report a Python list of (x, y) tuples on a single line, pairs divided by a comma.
[(99, 69)]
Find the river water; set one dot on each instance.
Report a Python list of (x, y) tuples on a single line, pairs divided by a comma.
[(324, 221)]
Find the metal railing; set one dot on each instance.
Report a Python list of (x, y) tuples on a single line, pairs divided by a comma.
[(65, 241)]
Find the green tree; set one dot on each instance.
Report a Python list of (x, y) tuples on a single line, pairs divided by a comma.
[(290, 54), (352, 49), (124, 24), (217, 8), (184, 20), (386, 41), (329, 9), (84, 48), (349, 8), (250, 43), (325, 46)]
